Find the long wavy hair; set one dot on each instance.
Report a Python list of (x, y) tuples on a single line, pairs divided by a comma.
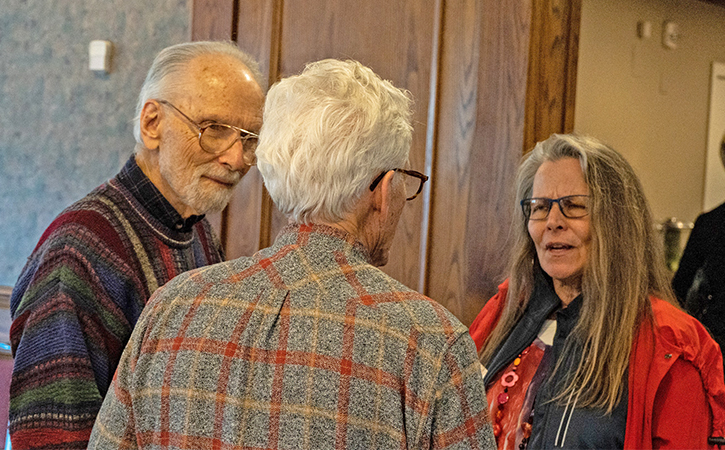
[(626, 266)]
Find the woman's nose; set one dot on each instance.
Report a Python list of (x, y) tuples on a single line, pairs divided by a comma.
[(556, 218)]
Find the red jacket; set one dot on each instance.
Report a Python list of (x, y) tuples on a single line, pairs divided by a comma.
[(658, 420)]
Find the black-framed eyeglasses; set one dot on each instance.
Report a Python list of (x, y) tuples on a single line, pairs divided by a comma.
[(413, 182), (216, 138), (571, 206)]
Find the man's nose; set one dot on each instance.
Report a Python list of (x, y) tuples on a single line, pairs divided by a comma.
[(233, 157)]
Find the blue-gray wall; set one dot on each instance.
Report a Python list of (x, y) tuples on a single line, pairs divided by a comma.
[(64, 129)]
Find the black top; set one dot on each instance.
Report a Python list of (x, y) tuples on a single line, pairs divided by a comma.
[(699, 282), (563, 424), (705, 243)]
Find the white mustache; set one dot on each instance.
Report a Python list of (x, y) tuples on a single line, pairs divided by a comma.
[(225, 176)]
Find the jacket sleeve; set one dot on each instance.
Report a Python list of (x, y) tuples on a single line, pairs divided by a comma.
[(487, 319), (460, 410), (67, 335), (681, 412)]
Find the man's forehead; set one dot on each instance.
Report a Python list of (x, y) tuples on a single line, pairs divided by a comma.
[(217, 88), (219, 71), (225, 82)]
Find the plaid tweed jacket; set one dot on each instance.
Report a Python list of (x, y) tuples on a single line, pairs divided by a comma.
[(303, 345)]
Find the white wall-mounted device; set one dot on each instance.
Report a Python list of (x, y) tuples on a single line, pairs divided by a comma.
[(99, 56), (644, 29), (670, 35)]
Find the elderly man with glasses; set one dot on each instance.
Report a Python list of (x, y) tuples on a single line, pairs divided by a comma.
[(90, 276), (307, 344)]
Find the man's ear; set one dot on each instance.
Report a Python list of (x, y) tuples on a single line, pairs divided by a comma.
[(382, 195), (150, 124)]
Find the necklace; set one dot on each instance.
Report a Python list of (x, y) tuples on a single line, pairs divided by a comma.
[(508, 380)]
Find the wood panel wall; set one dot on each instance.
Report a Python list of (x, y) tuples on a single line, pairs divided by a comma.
[(553, 56), (466, 64)]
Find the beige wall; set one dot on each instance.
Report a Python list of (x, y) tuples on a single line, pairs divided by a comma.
[(649, 102)]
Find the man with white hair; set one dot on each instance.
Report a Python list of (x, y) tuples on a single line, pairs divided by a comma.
[(307, 344), (87, 281)]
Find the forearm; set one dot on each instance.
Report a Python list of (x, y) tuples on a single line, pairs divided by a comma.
[(53, 405), (54, 395)]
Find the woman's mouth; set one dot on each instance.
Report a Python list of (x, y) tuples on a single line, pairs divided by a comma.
[(558, 246)]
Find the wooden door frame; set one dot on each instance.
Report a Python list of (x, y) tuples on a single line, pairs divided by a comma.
[(551, 79)]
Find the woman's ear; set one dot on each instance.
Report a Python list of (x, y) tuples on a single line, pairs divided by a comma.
[(150, 124)]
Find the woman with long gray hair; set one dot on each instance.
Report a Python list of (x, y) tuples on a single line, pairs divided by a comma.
[(583, 346)]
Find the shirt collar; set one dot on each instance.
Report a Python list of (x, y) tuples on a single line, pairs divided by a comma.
[(323, 237), (141, 187), (544, 291)]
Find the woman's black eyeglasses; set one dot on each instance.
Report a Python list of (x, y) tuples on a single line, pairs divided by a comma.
[(571, 206)]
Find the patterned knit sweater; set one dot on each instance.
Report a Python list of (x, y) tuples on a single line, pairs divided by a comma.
[(305, 345), (78, 299)]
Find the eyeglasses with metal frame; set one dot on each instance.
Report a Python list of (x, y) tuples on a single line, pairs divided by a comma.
[(571, 206), (417, 178), (216, 138)]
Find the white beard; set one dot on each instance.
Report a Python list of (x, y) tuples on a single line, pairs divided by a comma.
[(200, 194)]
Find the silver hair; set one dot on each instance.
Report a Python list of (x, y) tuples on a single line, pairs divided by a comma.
[(326, 134), (162, 77)]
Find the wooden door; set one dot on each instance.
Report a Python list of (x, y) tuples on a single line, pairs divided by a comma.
[(465, 62)]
